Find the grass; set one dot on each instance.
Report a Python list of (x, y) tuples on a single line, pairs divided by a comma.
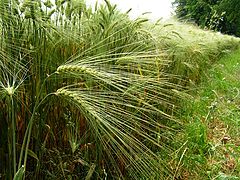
[(92, 70), (212, 116), (190, 50), (90, 93)]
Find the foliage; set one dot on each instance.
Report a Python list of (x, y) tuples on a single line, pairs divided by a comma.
[(90, 93), (220, 15), (190, 50), (85, 82), (211, 136)]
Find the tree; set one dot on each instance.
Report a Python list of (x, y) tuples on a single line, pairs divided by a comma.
[(231, 13), (219, 15)]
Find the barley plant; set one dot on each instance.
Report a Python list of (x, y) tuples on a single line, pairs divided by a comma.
[(87, 93), (190, 50), (83, 94)]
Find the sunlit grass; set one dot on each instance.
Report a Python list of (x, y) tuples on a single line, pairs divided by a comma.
[(212, 124), (92, 94), (190, 50)]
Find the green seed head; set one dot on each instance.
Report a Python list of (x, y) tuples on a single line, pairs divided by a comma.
[(10, 90)]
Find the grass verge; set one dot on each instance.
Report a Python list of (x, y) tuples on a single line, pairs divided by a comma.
[(210, 142)]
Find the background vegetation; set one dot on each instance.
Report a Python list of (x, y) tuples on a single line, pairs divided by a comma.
[(89, 93), (219, 15), (210, 141)]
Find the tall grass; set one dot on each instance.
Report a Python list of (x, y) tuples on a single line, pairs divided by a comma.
[(91, 69), (190, 50), (85, 93), (211, 132)]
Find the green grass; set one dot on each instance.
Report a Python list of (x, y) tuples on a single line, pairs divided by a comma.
[(89, 93), (190, 49), (212, 124)]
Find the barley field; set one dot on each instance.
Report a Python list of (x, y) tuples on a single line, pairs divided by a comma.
[(88, 93)]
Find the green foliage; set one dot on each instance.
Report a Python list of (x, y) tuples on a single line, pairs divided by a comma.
[(20, 174), (212, 124), (219, 15), (190, 50), (92, 69), (92, 94)]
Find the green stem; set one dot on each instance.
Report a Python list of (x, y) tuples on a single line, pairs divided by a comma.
[(13, 136), (10, 157), (28, 132)]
